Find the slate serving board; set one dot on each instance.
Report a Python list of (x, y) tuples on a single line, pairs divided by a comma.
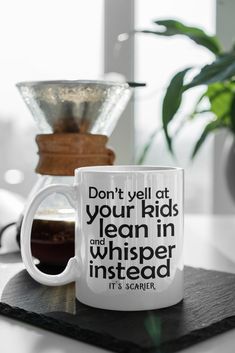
[(207, 309)]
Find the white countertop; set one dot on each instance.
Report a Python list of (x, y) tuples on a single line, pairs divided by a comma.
[(209, 243)]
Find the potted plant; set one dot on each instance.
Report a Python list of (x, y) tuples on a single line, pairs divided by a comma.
[(218, 79)]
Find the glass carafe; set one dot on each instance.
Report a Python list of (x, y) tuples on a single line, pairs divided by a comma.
[(75, 119)]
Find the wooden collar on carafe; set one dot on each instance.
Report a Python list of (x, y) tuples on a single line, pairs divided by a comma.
[(61, 153)]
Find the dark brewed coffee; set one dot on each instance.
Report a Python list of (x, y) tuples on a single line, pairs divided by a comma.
[(56, 231), (52, 241)]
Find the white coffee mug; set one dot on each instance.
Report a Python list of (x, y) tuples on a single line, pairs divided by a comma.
[(128, 237)]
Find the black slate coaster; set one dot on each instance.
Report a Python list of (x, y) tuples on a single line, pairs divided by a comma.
[(208, 309)]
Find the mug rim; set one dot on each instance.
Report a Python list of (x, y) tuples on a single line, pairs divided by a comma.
[(127, 169)]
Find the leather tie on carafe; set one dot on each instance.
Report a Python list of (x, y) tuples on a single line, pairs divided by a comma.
[(61, 153)]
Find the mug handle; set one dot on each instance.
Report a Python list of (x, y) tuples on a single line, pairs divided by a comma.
[(71, 272)]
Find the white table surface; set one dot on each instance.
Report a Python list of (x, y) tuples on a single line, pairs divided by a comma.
[(209, 243)]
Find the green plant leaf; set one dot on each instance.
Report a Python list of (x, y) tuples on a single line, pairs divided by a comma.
[(232, 114), (171, 102), (220, 96), (210, 127), (197, 110), (222, 69), (173, 27)]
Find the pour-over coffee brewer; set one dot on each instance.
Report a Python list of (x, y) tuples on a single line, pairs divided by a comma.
[(75, 119)]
